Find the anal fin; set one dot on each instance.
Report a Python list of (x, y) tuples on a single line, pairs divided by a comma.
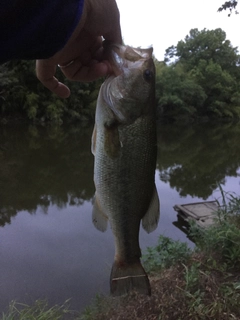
[(99, 218), (151, 218)]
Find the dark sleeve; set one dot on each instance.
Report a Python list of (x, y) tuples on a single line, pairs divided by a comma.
[(36, 29)]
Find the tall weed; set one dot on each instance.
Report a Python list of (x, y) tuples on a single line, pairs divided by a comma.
[(222, 239)]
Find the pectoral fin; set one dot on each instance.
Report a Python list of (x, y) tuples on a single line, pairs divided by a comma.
[(99, 218), (112, 144), (151, 218)]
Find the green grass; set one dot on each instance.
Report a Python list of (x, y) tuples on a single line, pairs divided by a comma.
[(221, 241), (99, 305), (212, 279), (40, 310), (166, 253)]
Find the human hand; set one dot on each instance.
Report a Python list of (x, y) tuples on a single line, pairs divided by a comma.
[(82, 58)]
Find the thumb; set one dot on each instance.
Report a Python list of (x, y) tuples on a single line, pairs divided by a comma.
[(103, 19)]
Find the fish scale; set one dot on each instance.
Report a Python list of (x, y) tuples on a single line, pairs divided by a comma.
[(125, 149)]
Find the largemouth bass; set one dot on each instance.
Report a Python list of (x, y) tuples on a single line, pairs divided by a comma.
[(124, 144)]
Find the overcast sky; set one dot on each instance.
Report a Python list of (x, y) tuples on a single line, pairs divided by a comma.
[(162, 23)]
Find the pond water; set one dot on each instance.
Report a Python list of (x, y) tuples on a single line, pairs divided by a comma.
[(49, 247)]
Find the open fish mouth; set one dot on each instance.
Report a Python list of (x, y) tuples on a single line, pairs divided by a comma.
[(125, 57), (131, 82)]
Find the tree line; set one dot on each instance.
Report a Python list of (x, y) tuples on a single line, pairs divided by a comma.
[(199, 77), (23, 96)]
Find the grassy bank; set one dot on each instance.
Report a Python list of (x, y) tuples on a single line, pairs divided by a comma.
[(199, 284)]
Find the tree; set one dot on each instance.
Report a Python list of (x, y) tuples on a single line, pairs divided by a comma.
[(229, 5), (205, 75), (219, 87), (204, 45), (22, 94), (177, 94)]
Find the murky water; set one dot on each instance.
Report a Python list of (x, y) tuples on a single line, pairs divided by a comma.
[(48, 245)]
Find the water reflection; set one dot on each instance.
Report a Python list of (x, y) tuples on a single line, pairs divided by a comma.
[(49, 248), (196, 159), (43, 166), (53, 165)]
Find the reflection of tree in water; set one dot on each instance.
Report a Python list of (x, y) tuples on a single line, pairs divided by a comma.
[(195, 159), (40, 166)]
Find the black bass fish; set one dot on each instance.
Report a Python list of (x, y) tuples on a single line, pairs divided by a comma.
[(124, 144)]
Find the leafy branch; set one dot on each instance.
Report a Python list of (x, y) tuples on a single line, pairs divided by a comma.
[(229, 5)]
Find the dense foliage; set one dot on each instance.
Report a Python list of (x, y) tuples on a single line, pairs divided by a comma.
[(200, 76), (23, 95), (229, 5)]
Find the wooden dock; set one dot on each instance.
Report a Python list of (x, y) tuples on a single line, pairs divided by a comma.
[(201, 212)]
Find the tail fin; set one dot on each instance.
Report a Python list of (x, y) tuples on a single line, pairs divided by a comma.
[(125, 278)]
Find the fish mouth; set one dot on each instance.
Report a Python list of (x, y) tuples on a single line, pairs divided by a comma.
[(124, 57)]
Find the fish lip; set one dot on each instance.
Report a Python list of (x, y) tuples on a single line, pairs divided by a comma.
[(114, 54), (124, 57)]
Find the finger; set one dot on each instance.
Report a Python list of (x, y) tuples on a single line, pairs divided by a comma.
[(94, 71), (104, 20), (45, 73)]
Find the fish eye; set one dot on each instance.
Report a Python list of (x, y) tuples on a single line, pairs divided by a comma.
[(148, 75)]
